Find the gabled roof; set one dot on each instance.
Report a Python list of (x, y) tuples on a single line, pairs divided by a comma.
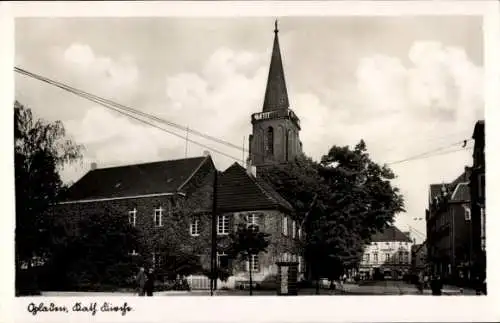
[(135, 180), (435, 189), (238, 191), (461, 193), (276, 97), (390, 234)]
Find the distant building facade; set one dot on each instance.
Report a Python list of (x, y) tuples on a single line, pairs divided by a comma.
[(419, 257), (478, 202), (388, 255), (449, 229)]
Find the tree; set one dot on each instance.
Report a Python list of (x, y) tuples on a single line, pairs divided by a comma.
[(94, 251), (354, 199), (245, 243), (40, 149)]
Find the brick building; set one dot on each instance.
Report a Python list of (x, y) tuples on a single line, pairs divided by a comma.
[(477, 203), (387, 255), (150, 195), (449, 228)]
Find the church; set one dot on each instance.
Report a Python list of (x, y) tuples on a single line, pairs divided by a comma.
[(146, 194)]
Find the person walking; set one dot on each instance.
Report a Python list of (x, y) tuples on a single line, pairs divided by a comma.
[(420, 283), (141, 281), (150, 282)]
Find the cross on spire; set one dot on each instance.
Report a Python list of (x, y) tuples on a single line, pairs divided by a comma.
[(276, 30)]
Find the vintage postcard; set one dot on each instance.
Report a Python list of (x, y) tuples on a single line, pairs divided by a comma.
[(242, 161)]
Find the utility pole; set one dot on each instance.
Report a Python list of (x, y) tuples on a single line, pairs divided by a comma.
[(213, 256), (187, 141)]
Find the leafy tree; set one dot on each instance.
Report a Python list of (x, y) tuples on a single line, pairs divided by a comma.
[(246, 242), (94, 251), (40, 150), (353, 198)]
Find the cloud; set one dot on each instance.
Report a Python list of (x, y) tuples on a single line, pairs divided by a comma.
[(109, 77)]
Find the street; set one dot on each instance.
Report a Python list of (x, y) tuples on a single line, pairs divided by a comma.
[(365, 288)]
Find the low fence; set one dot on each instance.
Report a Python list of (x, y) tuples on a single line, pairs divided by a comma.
[(198, 282)]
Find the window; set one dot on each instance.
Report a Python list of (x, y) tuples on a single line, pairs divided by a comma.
[(299, 232), (253, 222), (253, 264), (300, 264), (406, 257), (222, 260), (158, 217), (133, 253), (294, 229), (387, 257), (195, 227), (285, 225), (156, 259), (223, 224), (375, 258), (467, 212), (269, 141), (132, 217), (400, 257), (367, 257)]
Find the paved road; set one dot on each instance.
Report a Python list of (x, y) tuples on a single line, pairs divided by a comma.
[(366, 288), (395, 288)]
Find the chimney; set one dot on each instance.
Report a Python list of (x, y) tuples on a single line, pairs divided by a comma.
[(206, 153), (93, 166), (251, 169)]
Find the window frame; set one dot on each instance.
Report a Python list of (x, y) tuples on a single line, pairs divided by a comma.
[(294, 229), (252, 220), (158, 215), (194, 227), (219, 255), (285, 225), (224, 229), (134, 217), (251, 262)]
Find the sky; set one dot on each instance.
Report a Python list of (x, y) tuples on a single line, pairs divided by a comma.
[(406, 85)]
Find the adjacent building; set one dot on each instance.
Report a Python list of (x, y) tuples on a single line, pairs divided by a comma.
[(449, 229), (477, 203), (456, 220), (388, 255)]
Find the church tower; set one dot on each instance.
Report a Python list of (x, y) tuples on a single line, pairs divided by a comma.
[(275, 130)]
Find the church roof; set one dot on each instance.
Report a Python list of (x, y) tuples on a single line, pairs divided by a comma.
[(390, 234), (276, 97), (167, 176), (239, 191)]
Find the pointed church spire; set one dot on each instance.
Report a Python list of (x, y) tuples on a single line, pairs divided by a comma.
[(276, 97)]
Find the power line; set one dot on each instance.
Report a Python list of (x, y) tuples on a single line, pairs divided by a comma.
[(111, 105), (119, 107), (433, 153)]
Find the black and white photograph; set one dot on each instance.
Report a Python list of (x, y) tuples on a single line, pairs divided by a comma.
[(327, 156)]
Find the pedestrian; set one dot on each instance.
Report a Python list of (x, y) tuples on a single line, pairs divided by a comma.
[(420, 283), (436, 285), (141, 281), (478, 286), (150, 281)]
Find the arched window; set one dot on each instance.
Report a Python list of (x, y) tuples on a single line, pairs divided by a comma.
[(269, 141)]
